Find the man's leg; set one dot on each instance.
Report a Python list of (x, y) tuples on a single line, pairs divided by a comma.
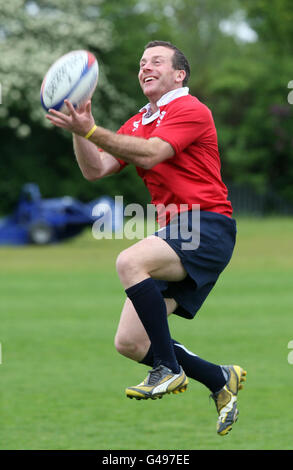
[(136, 266), (131, 338), (132, 341)]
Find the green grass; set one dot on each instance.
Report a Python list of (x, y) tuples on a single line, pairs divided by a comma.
[(62, 382)]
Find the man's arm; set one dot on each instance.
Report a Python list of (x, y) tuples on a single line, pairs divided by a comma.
[(93, 163), (144, 153)]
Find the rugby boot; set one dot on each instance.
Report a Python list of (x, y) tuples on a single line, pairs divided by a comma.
[(159, 381), (226, 398)]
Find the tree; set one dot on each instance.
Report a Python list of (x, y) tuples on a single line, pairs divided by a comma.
[(273, 22), (250, 95), (33, 36)]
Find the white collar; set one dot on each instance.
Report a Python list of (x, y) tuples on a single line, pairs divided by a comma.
[(165, 99)]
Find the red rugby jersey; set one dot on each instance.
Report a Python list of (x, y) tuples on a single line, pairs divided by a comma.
[(193, 174)]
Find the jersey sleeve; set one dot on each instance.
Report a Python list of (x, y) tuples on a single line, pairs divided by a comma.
[(184, 125)]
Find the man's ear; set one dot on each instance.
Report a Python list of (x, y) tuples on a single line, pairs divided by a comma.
[(180, 76)]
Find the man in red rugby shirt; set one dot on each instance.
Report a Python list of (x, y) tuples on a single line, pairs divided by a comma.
[(172, 142)]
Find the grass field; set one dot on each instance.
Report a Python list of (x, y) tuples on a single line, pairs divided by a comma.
[(62, 382)]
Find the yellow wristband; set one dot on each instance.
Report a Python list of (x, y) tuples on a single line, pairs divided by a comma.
[(90, 132)]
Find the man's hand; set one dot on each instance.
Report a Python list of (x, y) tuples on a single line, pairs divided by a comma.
[(78, 121)]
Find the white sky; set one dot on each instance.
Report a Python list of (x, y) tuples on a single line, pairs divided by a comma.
[(238, 27)]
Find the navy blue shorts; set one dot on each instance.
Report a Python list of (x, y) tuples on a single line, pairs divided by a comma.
[(208, 253)]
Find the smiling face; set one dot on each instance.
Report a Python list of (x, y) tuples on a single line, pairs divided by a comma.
[(156, 73)]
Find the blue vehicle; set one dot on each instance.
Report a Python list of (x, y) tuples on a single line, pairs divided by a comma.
[(42, 221)]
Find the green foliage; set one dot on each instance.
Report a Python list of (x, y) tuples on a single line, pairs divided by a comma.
[(249, 100), (134, 24), (273, 22), (34, 35), (245, 85)]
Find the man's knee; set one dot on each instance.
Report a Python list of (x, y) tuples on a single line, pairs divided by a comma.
[(127, 265), (124, 346), (130, 348)]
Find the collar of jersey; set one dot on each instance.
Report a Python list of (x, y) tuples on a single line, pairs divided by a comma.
[(165, 99)]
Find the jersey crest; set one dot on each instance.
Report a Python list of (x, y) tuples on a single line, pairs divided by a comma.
[(135, 125)]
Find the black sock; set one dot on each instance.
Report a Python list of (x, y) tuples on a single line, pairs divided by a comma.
[(211, 375), (151, 309)]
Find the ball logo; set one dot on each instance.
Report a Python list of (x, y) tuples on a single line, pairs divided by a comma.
[(290, 95), (73, 76)]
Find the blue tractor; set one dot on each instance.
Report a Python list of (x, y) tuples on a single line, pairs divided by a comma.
[(42, 221)]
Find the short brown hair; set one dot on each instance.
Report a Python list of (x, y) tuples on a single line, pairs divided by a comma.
[(179, 60)]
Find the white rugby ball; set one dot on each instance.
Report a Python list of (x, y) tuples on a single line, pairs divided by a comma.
[(73, 77)]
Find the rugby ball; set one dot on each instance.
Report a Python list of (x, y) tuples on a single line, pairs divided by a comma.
[(74, 77)]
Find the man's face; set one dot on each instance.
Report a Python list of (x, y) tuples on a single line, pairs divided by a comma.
[(156, 73)]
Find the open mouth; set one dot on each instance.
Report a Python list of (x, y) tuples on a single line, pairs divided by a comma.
[(149, 79)]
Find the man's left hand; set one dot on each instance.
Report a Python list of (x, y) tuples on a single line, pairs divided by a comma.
[(79, 121)]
